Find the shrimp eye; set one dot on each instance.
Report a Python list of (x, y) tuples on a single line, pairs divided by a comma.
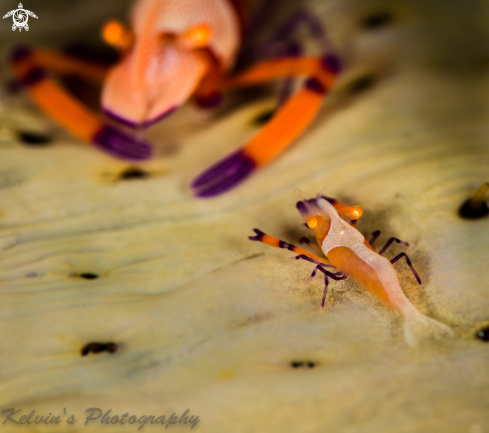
[(315, 222), (312, 222), (196, 37), (351, 213), (117, 35)]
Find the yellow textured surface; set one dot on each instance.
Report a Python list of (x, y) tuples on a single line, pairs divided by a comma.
[(209, 321)]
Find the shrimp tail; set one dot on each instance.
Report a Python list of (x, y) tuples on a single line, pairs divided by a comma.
[(419, 328)]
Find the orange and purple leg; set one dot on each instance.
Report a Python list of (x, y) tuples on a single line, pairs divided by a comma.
[(277, 243), (375, 236), (279, 133), (281, 44), (335, 276), (304, 255), (307, 241), (31, 67)]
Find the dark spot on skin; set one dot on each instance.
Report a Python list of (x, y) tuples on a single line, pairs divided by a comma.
[(471, 212), (298, 364), (361, 84), (376, 21), (98, 348), (476, 207), (483, 334), (34, 138), (88, 276), (134, 173), (264, 117)]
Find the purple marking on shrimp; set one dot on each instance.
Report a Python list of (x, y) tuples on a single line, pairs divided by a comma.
[(148, 123), (332, 63), (122, 145), (258, 237), (119, 119), (307, 17), (211, 100), (315, 85), (224, 175), (33, 76), (134, 125), (301, 207), (375, 235), (19, 53), (307, 208)]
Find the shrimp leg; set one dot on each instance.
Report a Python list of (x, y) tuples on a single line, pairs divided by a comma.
[(279, 133), (376, 234), (31, 67), (277, 243), (338, 276), (408, 261)]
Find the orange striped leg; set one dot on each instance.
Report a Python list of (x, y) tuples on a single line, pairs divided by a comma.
[(287, 124), (303, 254), (277, 243), (304, 240), (30, 68), (273, 69)]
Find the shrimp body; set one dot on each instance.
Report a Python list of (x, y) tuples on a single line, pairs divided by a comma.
[(349, 252), (165, 64)]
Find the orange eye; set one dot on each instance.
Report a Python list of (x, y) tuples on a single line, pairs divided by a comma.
[(351, 213), (356, 212), (112, 32), (195, 37), (115, 34), (312, 222)]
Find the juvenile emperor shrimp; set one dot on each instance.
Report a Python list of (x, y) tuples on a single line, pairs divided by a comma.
[(352, 255)]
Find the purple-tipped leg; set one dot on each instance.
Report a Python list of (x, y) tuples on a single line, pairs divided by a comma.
[(399, 256), (408, 261), (224, 175), (375, 235), (258, 237), (335, 276), (122, 145), (389, 242)]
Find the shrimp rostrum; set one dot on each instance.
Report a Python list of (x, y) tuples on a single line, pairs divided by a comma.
[(351, 255)]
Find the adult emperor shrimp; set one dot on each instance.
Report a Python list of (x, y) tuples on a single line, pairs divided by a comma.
[(175, 51)]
